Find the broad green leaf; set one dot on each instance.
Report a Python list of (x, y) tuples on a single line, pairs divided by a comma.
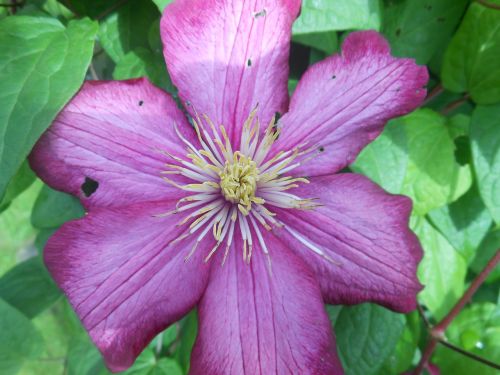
[(127, 29), (477, 330), (485, 252), (53, 208), (325, 41), (42, 64), (16, 232), (84, 359), (418, 29), (385, 160), (327, 15), (464, 223), (19, 340), (442, 270), (144, 63), (485, 139), (148, 364), (366, 336), (189, 329), (415, 156), (471, 60), (161, 4), (21, 181), (402, 356), (28, 287)]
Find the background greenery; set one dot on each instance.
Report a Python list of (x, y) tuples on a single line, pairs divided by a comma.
[(445, 156)]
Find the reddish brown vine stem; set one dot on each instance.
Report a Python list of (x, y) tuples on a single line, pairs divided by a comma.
[(437, 90), (437, 332), (487, 4)]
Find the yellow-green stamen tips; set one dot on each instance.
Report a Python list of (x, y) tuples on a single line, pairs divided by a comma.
[(238, 182)]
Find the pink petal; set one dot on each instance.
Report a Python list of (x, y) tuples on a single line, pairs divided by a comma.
[(226, 56), (342, 103), (112, 133), (254, 322), (364, 230), (122, 279)]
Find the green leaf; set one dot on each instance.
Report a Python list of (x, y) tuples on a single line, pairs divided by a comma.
[(442, 270), (477, 330), (327, 15), (418, 29), (84, 359), (161, 4), (16, 231), (28, 287), (22, 180), (147, 364), (19, 340), (325, 41), (464, 223), (42, 64), (53, 208), (471, 60), (366, 336), (402, 356), (485, 252), (127, 29), (144, 63), (189, 330), (485, 139), (415, 156)]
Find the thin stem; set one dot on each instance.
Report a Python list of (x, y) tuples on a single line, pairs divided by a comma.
[(429, 349), (470, 355), (455, 104), (437, 90), (487, 4), (476, 283), (437, 332)]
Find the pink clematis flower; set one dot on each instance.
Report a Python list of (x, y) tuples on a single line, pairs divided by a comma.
[(237, 214)]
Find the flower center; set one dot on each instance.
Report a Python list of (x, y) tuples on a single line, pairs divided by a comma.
[(238, 181), (223, 196)]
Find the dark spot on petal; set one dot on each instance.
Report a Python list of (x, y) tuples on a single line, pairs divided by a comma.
[(398, 89), (188, 103), (262, 13), (321, 149), (140, 103), (249, 62), (441, 19), (89, 187), (334, 76), (398, 32)]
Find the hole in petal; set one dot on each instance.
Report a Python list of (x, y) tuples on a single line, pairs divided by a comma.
[(334, 76), (249, 62), (90, 186), (321, 149), (141, 103)]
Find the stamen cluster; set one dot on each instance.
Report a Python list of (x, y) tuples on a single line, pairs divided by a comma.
[(235, 188)]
